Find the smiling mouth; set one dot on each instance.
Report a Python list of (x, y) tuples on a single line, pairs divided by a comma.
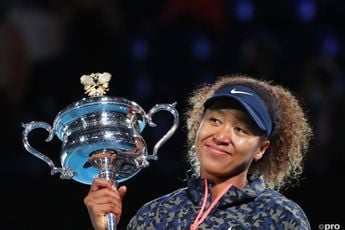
[(216, 151)]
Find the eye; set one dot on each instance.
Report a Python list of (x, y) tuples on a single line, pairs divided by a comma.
[(214, 120), (240, 130)]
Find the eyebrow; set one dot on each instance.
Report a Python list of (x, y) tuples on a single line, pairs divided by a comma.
[(240, 117), (245, 119)]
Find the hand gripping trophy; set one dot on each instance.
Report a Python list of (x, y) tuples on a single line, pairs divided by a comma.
[(101, 136)]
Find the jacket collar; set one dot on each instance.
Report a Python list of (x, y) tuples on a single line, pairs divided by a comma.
[(233, 196)]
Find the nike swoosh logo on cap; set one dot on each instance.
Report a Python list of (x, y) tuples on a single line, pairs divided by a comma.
[(234, 91)]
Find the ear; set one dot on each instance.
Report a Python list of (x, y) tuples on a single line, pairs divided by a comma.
[(262, 149)]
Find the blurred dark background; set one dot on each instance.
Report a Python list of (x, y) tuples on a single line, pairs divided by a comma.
[(158, 52)]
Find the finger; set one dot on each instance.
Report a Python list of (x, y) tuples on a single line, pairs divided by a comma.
[(104, 195), (122, 191), (99, 183), (103, 209), (104, 203)]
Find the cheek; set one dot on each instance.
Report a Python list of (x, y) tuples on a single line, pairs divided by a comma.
[(252, 147), (201, 133), (198, 139), (246, 145)]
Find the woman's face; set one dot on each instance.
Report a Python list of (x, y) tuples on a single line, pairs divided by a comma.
[(228, 141)]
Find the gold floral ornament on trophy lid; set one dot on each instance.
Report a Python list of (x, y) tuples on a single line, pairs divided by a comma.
[(96, 84)]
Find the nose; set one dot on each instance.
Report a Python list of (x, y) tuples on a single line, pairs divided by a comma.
[(222, 136)]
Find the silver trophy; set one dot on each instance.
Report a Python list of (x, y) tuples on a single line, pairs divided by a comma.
[(101, 136)]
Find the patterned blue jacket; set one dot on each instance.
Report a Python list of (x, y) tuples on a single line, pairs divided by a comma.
[(253, 207)]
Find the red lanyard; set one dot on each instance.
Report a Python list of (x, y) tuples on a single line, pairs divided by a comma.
[(202, 213)]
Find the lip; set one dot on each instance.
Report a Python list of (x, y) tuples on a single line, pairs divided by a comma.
[(216, 150)]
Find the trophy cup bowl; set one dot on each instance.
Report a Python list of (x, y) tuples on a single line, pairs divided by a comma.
[(101, 136)]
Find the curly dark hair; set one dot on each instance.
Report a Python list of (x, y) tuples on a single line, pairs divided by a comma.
[(282, 164)]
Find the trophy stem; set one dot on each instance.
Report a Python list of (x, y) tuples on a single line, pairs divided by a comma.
[(103, 160)]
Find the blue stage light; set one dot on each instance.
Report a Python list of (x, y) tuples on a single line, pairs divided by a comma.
[(330, 45), (139, 49), (202, 48), (244, 10), (306, 10)]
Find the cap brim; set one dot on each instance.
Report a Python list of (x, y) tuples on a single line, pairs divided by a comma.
[(253, 115)]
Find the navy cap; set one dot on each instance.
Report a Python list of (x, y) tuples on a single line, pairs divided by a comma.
[(251, 102)]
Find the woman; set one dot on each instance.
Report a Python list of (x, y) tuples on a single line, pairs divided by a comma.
[(247, 140)]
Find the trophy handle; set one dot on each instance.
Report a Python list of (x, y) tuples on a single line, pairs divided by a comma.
[(159, 107), (28, 127)]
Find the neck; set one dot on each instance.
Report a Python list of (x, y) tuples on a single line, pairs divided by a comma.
[(219, 185)]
